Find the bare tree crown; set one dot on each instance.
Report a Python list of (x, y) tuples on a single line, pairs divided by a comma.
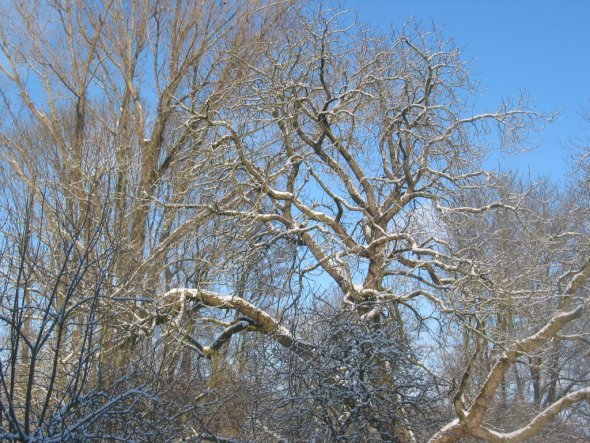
[(261, 221)]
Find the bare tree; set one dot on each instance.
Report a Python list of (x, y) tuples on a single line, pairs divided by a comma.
[(54, 281), (303, 235), (94, 96), (362, 157)]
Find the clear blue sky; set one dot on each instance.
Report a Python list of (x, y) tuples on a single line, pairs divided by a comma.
[(539, 47)]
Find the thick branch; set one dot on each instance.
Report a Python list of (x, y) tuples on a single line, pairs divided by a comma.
[(265, 322), (535, 425)]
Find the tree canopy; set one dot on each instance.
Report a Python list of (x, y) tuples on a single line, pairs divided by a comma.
[(262, 221)]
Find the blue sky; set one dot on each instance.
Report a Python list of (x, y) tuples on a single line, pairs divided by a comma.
[(538, 47)]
